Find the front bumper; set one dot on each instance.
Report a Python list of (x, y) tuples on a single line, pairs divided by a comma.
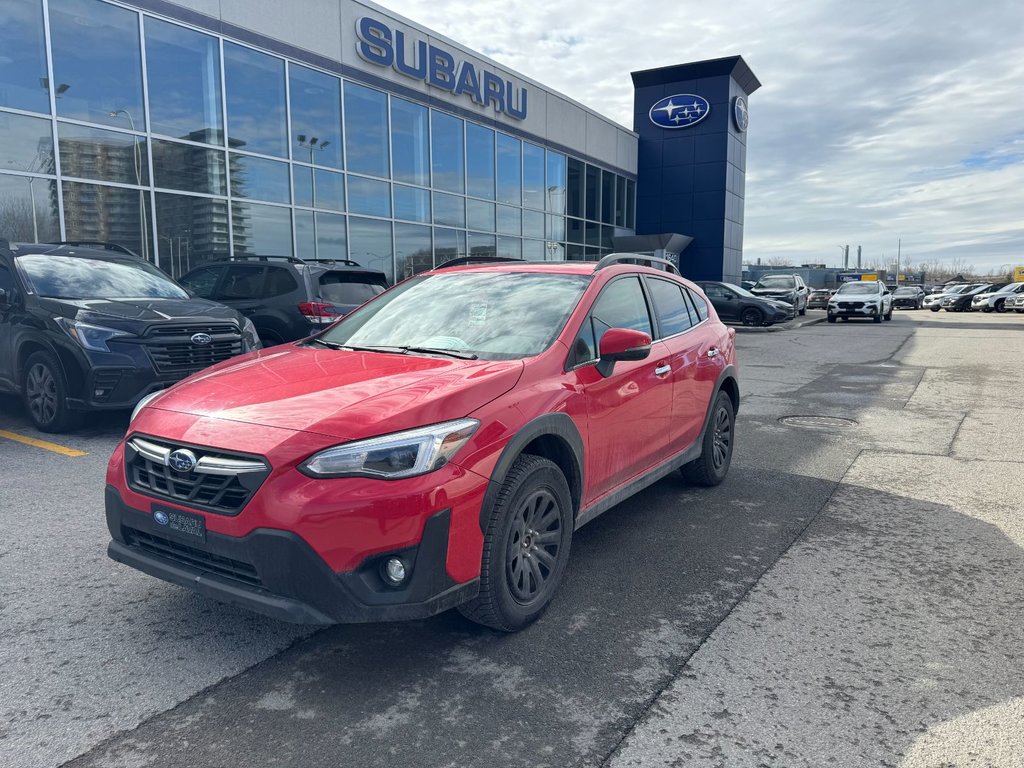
[(904, 304), (871, 310), (278, 574)]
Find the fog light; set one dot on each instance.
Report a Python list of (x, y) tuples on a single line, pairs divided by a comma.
[(394, 571)]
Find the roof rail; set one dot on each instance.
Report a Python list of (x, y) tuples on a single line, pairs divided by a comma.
[(99, 245), (461, 261), (258, 257), (633, 258)]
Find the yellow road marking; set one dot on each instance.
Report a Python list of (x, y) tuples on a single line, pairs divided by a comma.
[(42, 444)]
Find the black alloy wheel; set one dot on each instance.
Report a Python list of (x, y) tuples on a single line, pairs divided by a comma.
[(752, 316), (45, 394), (527, 537), (711, 467), (1000, 305)]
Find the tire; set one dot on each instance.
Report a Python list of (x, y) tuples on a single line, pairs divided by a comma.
[(1000, 306), (877, 318), (517, 582), (752, 316), (935, 309), (831, 318), (45, 394), (803, 311), (711, 467), (888, 315)]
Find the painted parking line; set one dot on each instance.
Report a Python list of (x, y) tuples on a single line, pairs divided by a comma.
[(42, 444)]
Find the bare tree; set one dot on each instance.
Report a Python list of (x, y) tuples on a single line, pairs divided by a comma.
[(778, 261)]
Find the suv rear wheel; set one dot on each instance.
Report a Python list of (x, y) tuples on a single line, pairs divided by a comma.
[(526, 546), (45, 394)]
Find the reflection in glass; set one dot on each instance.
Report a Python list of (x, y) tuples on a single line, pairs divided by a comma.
[(366, 130), (448, 244), (188, 168), (316, 116), (28, 209), (23, 81), (183, 71), (27, 144), (93, 153), (574, 187), (412, 204), (255, 94), (620, 202), (320, 235), (606, 236), (370, 244), (509, 220), (533, 250), (259, 179), (533, 175), (592, 233), (261, 229), (96, 54), (447, 158), (555, 190), (189, 231), (110, 214), (554, 251), (510, 174), (413, 250), (481, 244), (480, 215), (449, 209), (533, 224), (574, 231), (575, 252), (319, 188), (369, 196), (410, 142), (556, 228), (607, 196), (480, 161), (510, 248), (593, 192)]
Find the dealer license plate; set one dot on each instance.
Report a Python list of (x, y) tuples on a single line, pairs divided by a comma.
[(183, 524)]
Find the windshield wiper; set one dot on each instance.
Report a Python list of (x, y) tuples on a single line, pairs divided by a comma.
[(438, 351), (357, 348)]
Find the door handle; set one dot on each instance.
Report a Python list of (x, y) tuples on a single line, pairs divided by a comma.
[(661, 370), (713, 352)]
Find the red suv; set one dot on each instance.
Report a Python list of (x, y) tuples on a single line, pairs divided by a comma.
[(436, 448)]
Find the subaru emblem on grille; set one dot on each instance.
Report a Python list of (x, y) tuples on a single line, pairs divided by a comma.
[(161, 517), (182, 460), (201, 338)]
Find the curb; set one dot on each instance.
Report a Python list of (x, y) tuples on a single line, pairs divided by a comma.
[(790, 325)]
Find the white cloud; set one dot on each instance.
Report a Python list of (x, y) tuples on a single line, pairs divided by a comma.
[(877, 120)]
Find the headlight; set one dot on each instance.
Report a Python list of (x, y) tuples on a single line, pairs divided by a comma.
[(391, 457), (94, 337), (250, 339), (143, 403)]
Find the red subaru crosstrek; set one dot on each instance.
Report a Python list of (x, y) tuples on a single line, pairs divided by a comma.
[(434, 449)]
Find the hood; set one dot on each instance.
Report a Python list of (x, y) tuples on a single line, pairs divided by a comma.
[(778, 304), (773, 291), (342, 394), (129, 313)]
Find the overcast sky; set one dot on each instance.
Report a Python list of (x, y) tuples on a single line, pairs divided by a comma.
[(875, 120)]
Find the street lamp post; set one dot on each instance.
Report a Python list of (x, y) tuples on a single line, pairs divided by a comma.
[(138, 180), (313, 144)]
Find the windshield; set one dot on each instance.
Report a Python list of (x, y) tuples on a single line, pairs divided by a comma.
[(775, 281), (741, 291), (67, 277), (492, 315), (858, 288), (905, 292)]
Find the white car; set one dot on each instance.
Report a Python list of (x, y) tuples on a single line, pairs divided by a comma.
[(931, 301), (996, 300), (864, 298)]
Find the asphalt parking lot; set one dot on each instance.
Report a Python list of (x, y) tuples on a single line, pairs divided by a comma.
[(853, 594)]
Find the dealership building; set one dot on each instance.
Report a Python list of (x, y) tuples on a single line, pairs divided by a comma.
[(192, 130)]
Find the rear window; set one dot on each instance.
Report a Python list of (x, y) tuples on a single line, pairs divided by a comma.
[(350, 287)]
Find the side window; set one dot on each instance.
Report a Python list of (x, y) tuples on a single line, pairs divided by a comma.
[(202, 281), (700, 305), (670, 307), (279, 282), (620, 305), (242, 283), (713, 291)]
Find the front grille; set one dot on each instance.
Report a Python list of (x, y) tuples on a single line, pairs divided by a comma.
[(193, 557), (851, 304), (185, 358), (224, 494), (188, 330)]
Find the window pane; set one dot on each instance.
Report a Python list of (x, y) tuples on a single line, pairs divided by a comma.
[(410, 142), (593, 193), (593, 234), (533, 250), (554, 251), (555, 190), (533, 224), (202, 282), (621, 305), (28, 209), (316, 116), (189, 168), (27, 144), (369, 197), (259, 179), (620, 202), (412, 204), (575, 252), (607, 196), (510, 173), (480, 161), (574, 231), (556, 228), (96, 55), (190, 230), (448, 244), (481, 244), (574, 187), (480, 215), (631, 204), (449, 209), (533, 175), (447, 159), (261, 229), (183, 67), (24, 57), (93, 153), (320, 235), (110, 214), (255, 94), (413, 252), (670, 306), (370, 245), (366, 130), (319, 188), (510, 247), (509, 220)]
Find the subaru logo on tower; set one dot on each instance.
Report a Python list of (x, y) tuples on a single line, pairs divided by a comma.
[(740, 115), (201, 339), (680, 111), (182, 460)]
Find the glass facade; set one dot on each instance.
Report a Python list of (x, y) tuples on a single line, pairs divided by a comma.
[(186, 146)]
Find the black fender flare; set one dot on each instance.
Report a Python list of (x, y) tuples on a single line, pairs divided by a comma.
[(728, 382), (556, 425)]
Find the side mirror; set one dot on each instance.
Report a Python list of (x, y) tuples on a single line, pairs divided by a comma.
[(622, 344)]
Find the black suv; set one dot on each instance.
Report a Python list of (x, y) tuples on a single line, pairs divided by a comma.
[(94, 327), (286, 298), (788, 288)]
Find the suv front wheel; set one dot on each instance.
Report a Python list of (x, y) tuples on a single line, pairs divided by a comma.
[(45, 393), (711, 467)]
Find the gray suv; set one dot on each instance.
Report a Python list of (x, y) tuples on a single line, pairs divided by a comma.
[(788, 288)]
